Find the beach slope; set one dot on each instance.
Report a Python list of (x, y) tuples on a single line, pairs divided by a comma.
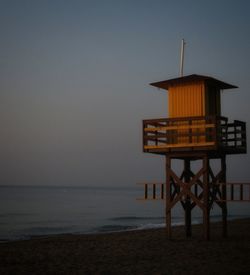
[(135, 252)]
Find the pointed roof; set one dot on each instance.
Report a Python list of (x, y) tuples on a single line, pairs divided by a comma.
[(192, 78)]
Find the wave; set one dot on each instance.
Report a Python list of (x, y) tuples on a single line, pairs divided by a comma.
[(135, 218), (135, 223), (114, 228), (122, 228)]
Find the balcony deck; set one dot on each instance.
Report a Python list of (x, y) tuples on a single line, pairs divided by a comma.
[(211, 134)]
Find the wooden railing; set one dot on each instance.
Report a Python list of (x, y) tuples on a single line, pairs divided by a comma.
[(210, 132), (153, 191), (235, 191), (232, 135)]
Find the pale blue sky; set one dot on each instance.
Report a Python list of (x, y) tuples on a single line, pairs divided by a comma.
[(74, 83)]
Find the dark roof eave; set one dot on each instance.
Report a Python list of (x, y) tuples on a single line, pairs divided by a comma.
[(191, 78)]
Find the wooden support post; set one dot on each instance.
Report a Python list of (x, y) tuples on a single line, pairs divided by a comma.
[(241, 192), (168, 196), (154, 191), (188, 208), (232, 192), (196, 189), (224, 197), (249, 192), (146, 191), (162, 191), (206, 210)]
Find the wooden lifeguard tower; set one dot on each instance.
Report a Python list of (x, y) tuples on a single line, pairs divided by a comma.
[(195, 130)]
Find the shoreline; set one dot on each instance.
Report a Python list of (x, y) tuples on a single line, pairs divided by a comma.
[(214, 220), (132, 252)]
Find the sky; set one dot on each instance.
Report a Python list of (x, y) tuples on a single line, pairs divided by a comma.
[(74, 81)]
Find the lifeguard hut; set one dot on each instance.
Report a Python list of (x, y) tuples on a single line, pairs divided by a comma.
[(195, 130)]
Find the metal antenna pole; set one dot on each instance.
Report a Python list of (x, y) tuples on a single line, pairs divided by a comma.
[(182, 57)]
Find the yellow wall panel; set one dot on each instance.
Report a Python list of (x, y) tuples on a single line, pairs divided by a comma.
[(186, 100)]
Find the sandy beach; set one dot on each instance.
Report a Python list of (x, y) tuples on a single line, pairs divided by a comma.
[(135, 252)]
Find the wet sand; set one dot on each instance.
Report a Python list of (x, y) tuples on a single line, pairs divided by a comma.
[(135, 252)]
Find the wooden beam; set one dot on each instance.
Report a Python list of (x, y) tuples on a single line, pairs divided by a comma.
[(168, 196), (180, 145), (179, 127), (206, 214), (188, 209), (224, 196)]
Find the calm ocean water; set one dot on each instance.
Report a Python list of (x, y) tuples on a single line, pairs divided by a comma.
[(35, 211)]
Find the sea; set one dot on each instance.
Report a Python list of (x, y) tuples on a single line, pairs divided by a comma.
[(32, 211)]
